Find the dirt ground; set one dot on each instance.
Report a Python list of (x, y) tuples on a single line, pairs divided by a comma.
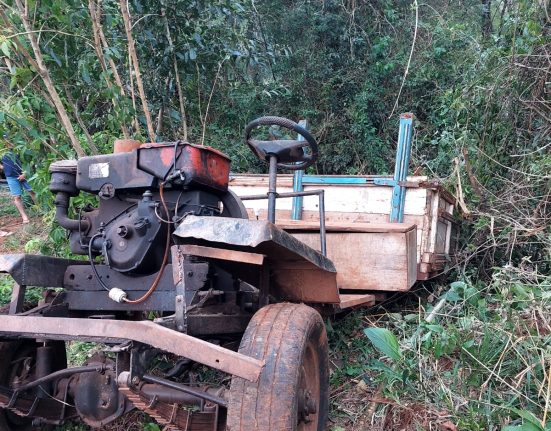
[(9, 224)]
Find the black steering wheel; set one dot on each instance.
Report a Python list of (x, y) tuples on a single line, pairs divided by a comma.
[(290, 154)]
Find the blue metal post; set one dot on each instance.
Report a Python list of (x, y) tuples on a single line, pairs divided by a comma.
[(403, 153), (296, 211)]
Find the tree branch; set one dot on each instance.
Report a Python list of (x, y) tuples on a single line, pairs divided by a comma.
[(181, 98), (96, 29), (134, 57)]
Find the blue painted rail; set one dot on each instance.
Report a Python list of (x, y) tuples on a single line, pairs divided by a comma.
[(397, 182)]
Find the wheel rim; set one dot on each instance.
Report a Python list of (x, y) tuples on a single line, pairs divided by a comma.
[(309, 391)]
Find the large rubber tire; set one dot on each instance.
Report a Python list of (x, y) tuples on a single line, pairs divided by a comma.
[(291, 338), (12, 354)]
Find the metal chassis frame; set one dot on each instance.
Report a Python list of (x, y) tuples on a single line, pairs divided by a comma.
[(146, 332)]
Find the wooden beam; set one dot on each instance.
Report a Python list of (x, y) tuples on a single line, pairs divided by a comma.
[(351, 300), (223, 254)]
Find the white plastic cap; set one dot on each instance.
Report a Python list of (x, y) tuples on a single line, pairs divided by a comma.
[(117, 295)]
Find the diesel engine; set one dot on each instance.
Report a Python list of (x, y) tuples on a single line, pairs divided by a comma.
[(143, 195)]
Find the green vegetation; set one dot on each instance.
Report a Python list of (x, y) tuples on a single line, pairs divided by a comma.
[(480, 361), (476, 75)]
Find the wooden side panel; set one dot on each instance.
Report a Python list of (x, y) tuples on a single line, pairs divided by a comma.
[(412, 250), (370, 261), (348, 199)]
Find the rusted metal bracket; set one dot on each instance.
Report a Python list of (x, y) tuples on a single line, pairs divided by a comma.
[(145, 332)]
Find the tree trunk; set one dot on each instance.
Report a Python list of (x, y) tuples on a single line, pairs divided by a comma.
[(486, 18), (181, 99), (134, 57), (98, 47), (45, 75)]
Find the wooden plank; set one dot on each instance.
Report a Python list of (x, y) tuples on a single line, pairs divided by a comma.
[(422, 276), (351, 198), (223, 254), (353, 300), (370, 261), (445, 215), (427, 205), (441, 234), (291, 225), (425, 267)]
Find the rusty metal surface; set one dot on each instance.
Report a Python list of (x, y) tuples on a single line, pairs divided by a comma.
[(145, 332), (35, 270), (300, 273), (172, 416), (202, 166), (47, 408)]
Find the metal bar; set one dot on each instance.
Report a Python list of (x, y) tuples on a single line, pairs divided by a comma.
[(282, 195), (407, 154), (144, 331), (322, 223), (320, 193), (403, 152), (318, 179), (296, 210), (272, 193), (188, 390), (64, 373)]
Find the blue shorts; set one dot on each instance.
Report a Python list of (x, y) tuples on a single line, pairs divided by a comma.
[(16, 186)]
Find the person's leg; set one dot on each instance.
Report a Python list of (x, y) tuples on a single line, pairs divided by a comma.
[(19, 204), (28, 188), (15, 190)]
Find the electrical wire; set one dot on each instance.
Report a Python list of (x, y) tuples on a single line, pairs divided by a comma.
[(155, 283), (91, 259)]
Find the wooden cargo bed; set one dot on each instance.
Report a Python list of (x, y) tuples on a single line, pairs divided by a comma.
[(370, 253)]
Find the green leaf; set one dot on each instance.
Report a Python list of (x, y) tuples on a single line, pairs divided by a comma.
[(384, 341), (524, 427), (529, 422), (151, 427), (86, 74), (5, 47)]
